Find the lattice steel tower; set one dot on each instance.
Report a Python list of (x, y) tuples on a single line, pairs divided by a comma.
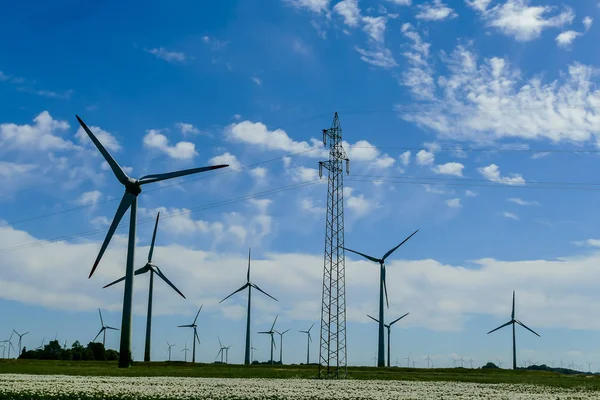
[(332, 354)]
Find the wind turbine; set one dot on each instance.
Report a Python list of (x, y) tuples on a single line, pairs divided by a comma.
[(454, 360), (513, 322), (248, 285), (169, 345), (185, 349), (308, 340), (428, 360), (153, 269), (221, 352), (589, 363), (408, 361), (271, 332), (20, 338), (413, 363), (42, 346), (227, 353), (382, 290), (281, 345), (252, 348), (471, 362), (461, 361), (195, 337), (389, 328), (133, 187), (500, 362), (103, 330)]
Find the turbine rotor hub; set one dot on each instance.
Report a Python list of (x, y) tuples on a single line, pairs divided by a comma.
[(133, 186)]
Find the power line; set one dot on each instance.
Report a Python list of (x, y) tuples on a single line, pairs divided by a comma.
[(228, 171), (504, 186), (171, 215), (482, 149), (473, 180)]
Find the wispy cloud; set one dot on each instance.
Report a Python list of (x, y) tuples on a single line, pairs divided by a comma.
[(169, 56)]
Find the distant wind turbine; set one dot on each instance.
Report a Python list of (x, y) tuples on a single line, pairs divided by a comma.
[(185, 350), (195, 336), (471, 362), (153, 269), (389, 328), (513, 322), (103, 330), (10, 342), (271, 332), (408, 360), (428, 360), (281, 345), (382, 290), (308, 340), (589, 363), (133, 187), (252, 348), (20, 338), (221, 351), (42, 346), (169, 345), (248, 285)]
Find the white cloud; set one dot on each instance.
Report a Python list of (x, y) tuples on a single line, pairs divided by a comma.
[(287, 161), (405, 158), (374, 27), (487, 101), (510, 215), (492, 173), (226, 158), (425, 157), (451, 168), (261, 205), (479, 5), (349, 10), (308, 205), (588, 242), (401, 2), (381, 57), (170, 56), (384, 162), (302, 48), (535, 156), (565, 39), (257, 80), (470, 193), (587, 23), (182, 150), (419, 76), (187, 128), (100, 221), (521, 202), (88, 198), (359, 205), (523, 22), (258, 173), (317, 6), (237, 117), (42, 136), (106, 138), (13, 170), (105, 167), (435, 11), (304, 174), (453, 203)]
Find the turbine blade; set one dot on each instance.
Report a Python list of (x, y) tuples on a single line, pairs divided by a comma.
[(501, 326), (116, 168), (311, 327), (309, 338), (385, 287), (197, 337), (153, 239), (169, 175), (284, 332), (110, 327), (185, 326), (524, 326), (101, 320), (374, 319), (112, 283), (198, 313), (398, 319), (248, 275), (262, 291), (126, 202), (98, 335), (239, 290), (264, 332), (220, 344), (273, 341), (273, 326), (364, 255), (139, 271), (168, 282), (396, 248), (513, 308)]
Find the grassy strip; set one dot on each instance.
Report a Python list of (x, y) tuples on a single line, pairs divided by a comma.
[(181, 369)]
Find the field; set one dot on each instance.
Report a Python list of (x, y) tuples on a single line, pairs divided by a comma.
[(26, 379)]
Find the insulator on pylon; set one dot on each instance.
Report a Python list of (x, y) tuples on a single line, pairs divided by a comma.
[(347, 166), (320, 169), (324, 137)]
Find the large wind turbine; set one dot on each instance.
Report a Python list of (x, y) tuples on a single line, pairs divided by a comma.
[(248, 285), (382, 290), (281, 345), (153, 269), (389, 329), (169, 345), (20, 338), (271, 332), (195, 337), (133, 187), (308, 340), (512, 322), (103, 330), (221, 350)]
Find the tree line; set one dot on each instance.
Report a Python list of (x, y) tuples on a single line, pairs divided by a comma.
[(54, 351)]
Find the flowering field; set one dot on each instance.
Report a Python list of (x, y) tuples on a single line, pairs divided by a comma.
[(20, 386)]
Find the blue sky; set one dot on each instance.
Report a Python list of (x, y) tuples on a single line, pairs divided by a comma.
[(252, 84)]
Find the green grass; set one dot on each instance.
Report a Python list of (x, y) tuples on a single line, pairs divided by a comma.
[(95, 368)]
